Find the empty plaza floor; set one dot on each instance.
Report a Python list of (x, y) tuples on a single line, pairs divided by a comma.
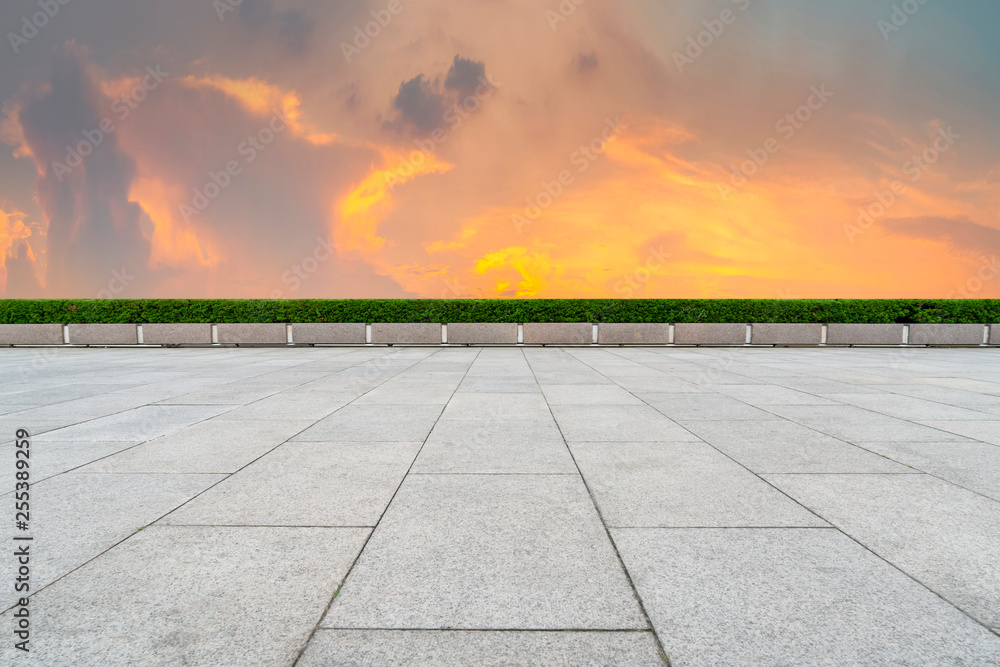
[(435, 506)]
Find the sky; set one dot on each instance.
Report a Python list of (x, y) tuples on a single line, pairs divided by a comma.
[(499, 149)]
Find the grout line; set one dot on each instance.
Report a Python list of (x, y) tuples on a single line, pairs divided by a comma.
[(815, 513), (343, 582), (600, 517)]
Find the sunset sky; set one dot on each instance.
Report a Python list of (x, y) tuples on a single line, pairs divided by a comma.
[(500, 148)]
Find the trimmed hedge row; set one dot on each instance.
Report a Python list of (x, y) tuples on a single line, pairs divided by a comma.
[(139, 311)]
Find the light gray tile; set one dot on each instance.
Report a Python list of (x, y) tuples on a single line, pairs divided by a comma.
[(285, 406), (973, 465), (784, 446), (764, 395), (494, 446), (136, 425), (456, 647), (622, 423), (859, 426), (505, 407), (986, 431), (375, 423), (193, 596), (681, 484), (940, 534), (791, 597), (306, 484), (703, 406), (214, 446), (907, 407), (488, 552), (600, 394), (76, 516)]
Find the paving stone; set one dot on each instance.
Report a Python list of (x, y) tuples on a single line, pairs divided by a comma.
[(791, 597), (784, 446), (433, 648), (763, 395), (76, 516), (145, 423), (506, 407), (704, 406), (907, 407), (972, 465), (215, 446), (650, 484), (494, 447), (859, 426), (938, 533), (986, 431), (620, 423), (574, 394), (193, 596), (306, 484), (375, 423), (488, 552)]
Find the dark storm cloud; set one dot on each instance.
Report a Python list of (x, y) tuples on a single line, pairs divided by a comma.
[(586, 62), (22, 283), (291, 26), (420, 103), (465, 75), (93, 227)]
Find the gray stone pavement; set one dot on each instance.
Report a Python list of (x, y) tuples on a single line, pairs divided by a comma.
[(433, 506)]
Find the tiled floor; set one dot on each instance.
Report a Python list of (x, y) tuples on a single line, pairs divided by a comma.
[(373, 506)]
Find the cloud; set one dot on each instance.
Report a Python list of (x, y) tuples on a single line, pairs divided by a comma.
[(291, 27), (423, 103), (93, 227), (420, 103), (465, 75), (961, 234), (586, 62)]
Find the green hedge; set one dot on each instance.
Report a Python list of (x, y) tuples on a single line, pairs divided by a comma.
[(69, 311)]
